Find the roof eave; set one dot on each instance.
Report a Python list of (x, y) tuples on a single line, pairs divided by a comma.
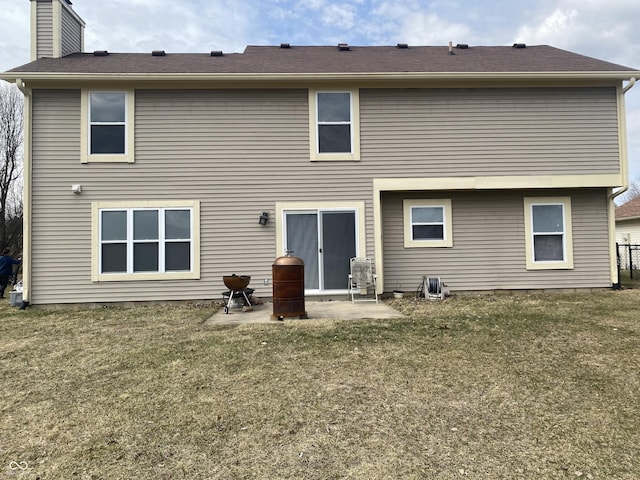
[(66, 76), (621, 219)]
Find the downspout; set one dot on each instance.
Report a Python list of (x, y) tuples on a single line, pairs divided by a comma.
[(624, 164), (629, 86), (26, 195), (624, 174)]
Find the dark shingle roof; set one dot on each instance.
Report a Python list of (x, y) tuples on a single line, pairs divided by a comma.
[(324, 59), (631, 209)]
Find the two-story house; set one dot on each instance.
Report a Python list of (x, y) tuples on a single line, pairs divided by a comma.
[(147, 174)]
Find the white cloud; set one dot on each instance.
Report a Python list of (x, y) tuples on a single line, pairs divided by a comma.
[(560, 28), (312, 4), (605, 8), (394, 10), (14, 36), (429, 29), (144, 25), (588, 27), (340, 16)]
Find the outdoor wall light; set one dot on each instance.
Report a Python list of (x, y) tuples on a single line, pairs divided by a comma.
[(76, 189), (264, 218)]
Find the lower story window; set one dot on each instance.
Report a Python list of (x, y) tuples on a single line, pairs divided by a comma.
[(548, 231), (146, 242), (427, 223)]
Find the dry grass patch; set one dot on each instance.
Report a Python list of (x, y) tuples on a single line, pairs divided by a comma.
[(492, 387), (627, 282)]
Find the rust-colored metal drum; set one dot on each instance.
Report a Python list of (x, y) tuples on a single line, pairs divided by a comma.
[(288, 288)]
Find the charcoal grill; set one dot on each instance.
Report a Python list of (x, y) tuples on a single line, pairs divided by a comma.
[(237, 285)]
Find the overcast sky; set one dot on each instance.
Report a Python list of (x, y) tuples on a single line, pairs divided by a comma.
[(605, 29)]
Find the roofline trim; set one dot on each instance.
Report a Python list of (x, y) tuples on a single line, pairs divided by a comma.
[(58, 76), (620, 219)]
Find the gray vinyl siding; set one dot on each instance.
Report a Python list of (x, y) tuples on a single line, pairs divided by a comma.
[(514, 131), (71, 36), (61, 234), (239, 152), (44, 30), (488, 250)]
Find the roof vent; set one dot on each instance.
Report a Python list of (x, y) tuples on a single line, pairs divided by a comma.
[(158, 53), (462, 46), (100, 53), (519, 45), (285, 45), (216, 53), (403, 45), (343, 46), (451, 52)]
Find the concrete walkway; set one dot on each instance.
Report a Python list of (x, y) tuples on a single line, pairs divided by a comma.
[(316, 310)]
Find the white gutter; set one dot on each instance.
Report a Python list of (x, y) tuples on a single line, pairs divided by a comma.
[(315, 76), (624, 174), (624, 169), (26, 195)]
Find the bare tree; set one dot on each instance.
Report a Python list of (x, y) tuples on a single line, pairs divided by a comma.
[(634, 189), (11, 139), (631, 193), (14, 218)]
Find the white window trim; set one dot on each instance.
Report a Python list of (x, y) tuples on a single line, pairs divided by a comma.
[(357, 206), (445, 203), (315, 155), (567, 263), (85, 131), (97, 207)]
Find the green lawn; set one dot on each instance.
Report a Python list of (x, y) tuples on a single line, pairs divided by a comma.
[(491, 387)]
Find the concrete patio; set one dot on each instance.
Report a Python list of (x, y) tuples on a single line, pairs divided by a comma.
[(316, 310)]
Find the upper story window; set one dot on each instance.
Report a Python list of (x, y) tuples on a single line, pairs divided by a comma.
[(334, 125), (146, 242), (107, 123), (107, 126), (428, 223), (548, 231), (334, 122)]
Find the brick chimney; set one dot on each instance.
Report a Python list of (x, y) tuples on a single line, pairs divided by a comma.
[(56, 30)]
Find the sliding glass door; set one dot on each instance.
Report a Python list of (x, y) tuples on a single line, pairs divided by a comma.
[(325, 240)]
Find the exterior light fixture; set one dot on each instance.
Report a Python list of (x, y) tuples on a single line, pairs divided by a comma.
[(264, 218)]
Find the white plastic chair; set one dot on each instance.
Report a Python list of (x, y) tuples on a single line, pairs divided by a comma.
[(361, 278)]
